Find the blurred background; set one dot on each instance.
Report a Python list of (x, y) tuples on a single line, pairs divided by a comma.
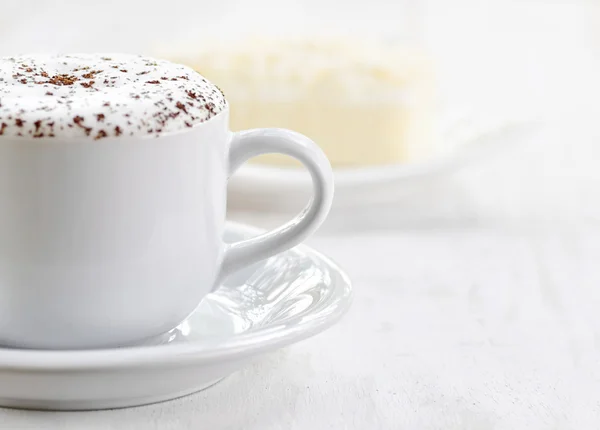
[(432, 112)]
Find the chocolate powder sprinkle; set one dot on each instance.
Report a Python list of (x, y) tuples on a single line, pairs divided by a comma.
[(63, 79), (91, 74), (147, 98), (180, 106), (78, 120)]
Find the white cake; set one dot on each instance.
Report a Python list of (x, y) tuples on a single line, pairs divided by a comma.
[(364, 104)]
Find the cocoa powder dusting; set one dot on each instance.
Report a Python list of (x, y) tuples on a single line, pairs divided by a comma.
[(78, 120), (60, 80), (180, 106), (79, 99)]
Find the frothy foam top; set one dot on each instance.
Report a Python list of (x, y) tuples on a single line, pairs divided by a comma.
[(98, 96)]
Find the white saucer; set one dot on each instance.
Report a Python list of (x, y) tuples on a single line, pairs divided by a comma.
[(461, 141), (283, 300)]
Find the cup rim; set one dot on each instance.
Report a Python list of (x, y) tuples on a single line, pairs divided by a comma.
[(28, 140)]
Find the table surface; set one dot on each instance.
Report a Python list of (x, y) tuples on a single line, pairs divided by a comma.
[(465, 328)]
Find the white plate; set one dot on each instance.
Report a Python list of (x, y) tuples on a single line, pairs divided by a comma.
[(283, 300), (462, 141)]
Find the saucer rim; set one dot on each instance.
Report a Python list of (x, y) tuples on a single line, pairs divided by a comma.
[(292, 178), (215, 352)]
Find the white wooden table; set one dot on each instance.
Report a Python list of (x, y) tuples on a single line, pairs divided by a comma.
[(451, 329)]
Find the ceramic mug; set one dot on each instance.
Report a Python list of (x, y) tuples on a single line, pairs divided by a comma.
[(112, 242)]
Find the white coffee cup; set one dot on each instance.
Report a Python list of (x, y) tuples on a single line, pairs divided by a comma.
[(107, 243)]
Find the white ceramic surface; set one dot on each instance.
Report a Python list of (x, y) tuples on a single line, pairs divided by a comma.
[(105, 243), (273, 303)]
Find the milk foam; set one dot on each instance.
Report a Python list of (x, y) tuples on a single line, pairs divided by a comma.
[(97, 96)]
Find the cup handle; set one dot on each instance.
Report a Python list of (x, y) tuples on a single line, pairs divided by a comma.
[(252, 143)]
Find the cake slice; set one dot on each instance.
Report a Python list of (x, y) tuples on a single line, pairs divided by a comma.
[(363, 103)]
